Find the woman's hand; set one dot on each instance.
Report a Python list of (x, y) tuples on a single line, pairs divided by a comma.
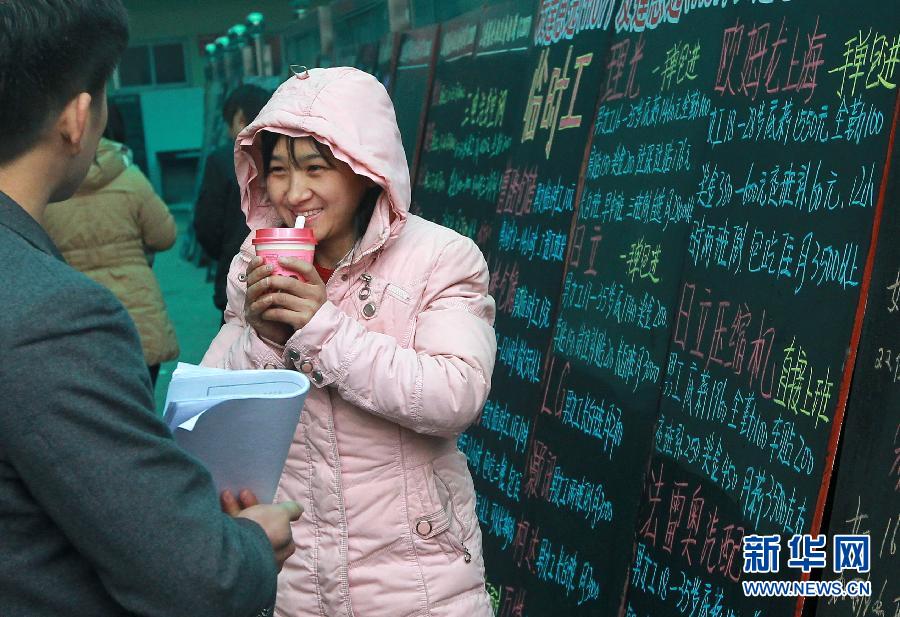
[(278, 306), (291, 302), (259, 299)]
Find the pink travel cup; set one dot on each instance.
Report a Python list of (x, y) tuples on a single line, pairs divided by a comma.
[(274, 242)]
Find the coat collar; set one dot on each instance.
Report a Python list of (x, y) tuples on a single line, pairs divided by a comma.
[(17, 220)]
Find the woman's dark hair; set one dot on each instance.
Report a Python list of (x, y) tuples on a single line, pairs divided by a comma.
[(366, 207), (50, 51)]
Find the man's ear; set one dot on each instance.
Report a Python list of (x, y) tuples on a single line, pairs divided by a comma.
[(73, 121)]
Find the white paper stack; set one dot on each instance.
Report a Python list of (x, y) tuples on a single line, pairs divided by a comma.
[(239, 424)]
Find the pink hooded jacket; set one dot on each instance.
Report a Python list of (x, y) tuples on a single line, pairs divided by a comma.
[(389, 526)]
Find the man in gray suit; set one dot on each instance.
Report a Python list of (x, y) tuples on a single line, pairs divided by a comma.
[(101, 514)]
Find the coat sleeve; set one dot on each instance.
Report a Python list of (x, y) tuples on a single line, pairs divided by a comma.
[(158, 229), (106, 471), (237, 345), (440, 384)]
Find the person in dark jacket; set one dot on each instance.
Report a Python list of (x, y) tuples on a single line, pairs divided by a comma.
[(219, 223), (101, 513)]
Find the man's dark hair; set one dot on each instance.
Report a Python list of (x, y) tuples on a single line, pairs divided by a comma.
[(50, 51), (248, 98)]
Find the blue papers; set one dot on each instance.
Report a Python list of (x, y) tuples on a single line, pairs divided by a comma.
[(239, 424)]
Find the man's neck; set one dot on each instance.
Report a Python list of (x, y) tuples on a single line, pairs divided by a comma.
[(27, 180)]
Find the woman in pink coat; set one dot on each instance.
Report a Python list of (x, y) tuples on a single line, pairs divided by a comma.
[(394, 330)]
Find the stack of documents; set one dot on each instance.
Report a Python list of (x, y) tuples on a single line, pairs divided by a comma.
[(239, 424)]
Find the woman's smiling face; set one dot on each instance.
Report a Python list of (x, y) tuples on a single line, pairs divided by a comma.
[(309, 181)]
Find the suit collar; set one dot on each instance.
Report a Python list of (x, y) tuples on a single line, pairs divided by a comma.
[(15, 218)]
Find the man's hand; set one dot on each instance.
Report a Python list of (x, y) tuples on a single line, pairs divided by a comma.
[(275, 520)]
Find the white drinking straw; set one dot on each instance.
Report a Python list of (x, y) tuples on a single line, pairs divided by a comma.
[(300, 222)]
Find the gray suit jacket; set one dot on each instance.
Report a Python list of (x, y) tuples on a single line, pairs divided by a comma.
[(101, 514)]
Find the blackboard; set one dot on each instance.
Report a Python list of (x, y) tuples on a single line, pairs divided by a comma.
[(611, 337), (676, 205), (539, 561), (474, 123), (412, 87), (867, 492), (782, 199)]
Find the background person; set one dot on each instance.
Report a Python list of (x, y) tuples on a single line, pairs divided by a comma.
[(219, 224), (106, 230)]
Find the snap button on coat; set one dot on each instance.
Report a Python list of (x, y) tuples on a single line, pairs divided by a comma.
[(423, 528)]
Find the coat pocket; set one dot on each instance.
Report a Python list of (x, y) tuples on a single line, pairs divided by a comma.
[(434, 522)]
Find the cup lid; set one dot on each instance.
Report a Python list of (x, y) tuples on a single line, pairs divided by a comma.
[(284, 234)]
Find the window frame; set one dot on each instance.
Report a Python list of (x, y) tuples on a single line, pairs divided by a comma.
[(150, 47)]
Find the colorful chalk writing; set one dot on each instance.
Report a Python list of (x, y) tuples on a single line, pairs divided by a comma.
[(887, 360), (632, 363), (532, 241), (517, 190), (642, 261), (560, 20), (654, 158), (808, 260), (674, 588), (497, 417), (614, 302), (470, 147), (504, 283), (532, 308), (677, 513), (784, 122), (504, 30), (807, 187), (621, 65), (801, 388), (679, 66), (544, 106), (641, 15), (493, 467), (597, 418), (751, 64), (870, 60), (662, 206), (652, 111), (520, 359), (546, 479), (495, 518)]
